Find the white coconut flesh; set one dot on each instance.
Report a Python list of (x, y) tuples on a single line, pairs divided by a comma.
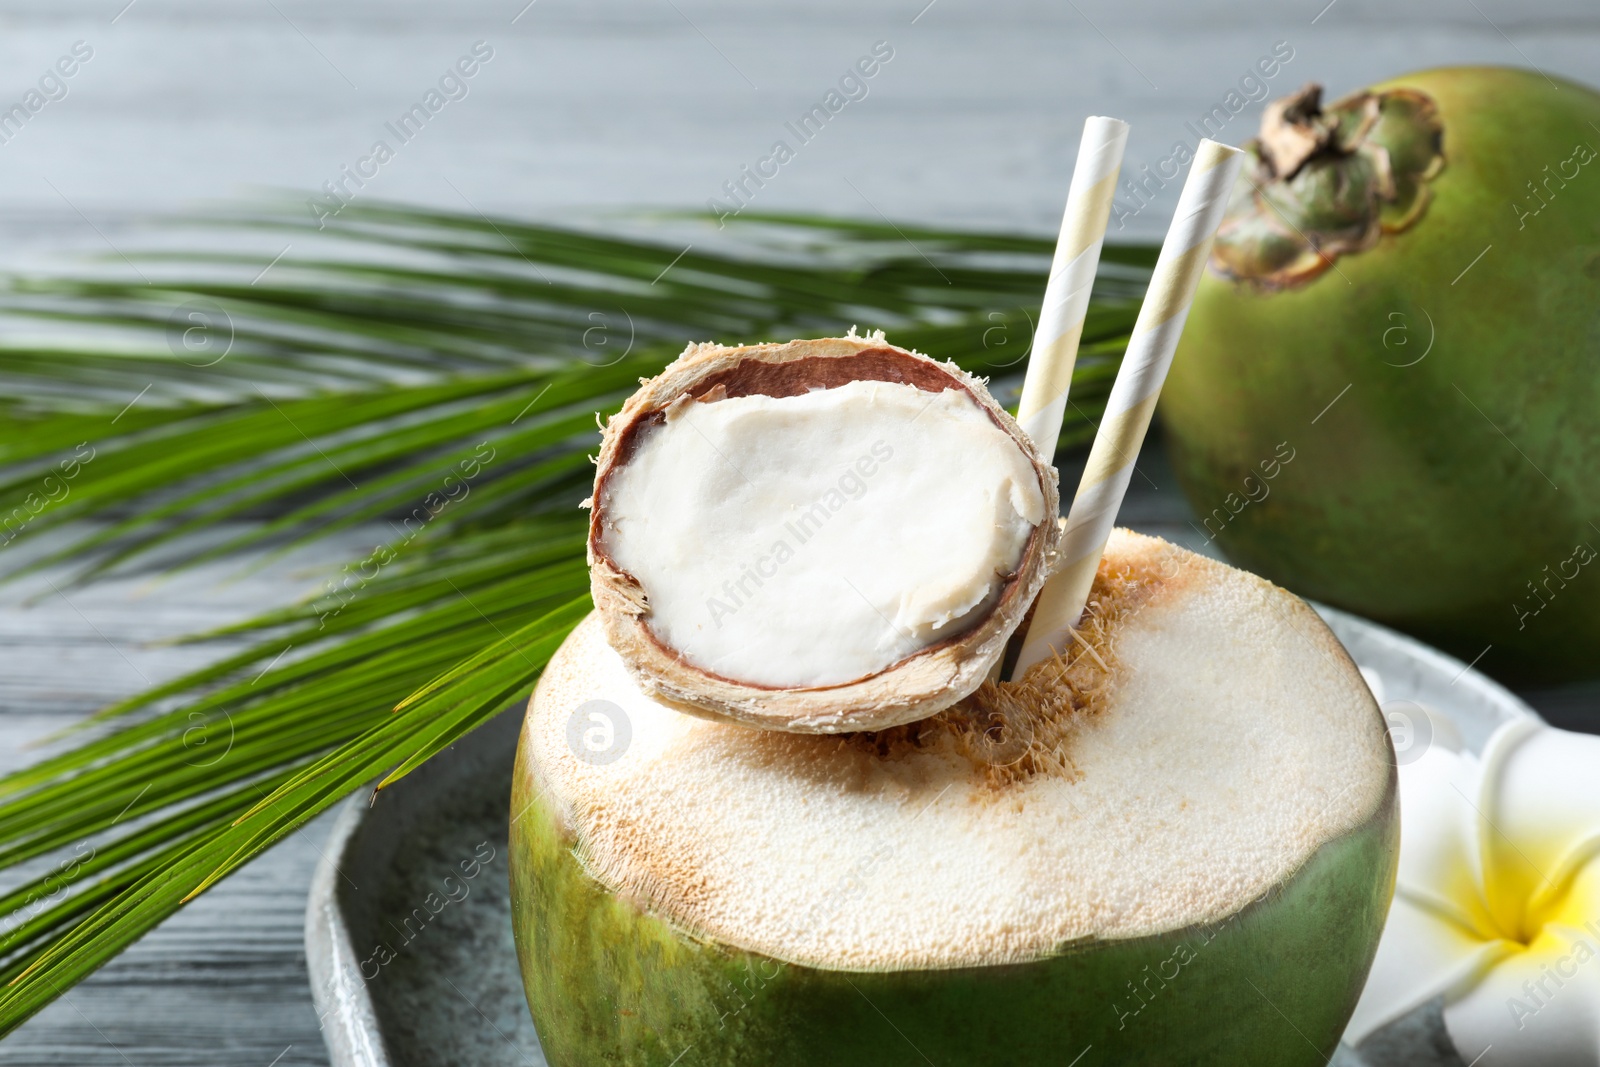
[(1213, 739), (817, 539)]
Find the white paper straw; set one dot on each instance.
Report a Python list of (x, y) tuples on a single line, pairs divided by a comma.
[(1066, 294), (1132, 401)]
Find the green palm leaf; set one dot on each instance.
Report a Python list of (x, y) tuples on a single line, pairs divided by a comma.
[(436, 376)]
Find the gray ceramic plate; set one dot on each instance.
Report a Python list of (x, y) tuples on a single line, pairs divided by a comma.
[(408, 927)]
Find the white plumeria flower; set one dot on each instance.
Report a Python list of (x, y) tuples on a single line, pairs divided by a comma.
[(1497, 902)]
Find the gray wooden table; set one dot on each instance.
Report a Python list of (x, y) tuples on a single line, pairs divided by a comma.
[(592, 105)]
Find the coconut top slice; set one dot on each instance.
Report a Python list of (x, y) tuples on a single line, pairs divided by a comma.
[(1205, 740), (816, 536)]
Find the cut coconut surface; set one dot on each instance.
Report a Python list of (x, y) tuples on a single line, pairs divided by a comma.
[(1205, 740), (818, 536)]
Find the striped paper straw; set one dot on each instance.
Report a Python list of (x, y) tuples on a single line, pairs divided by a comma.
[(1066, 294), (1132, 400)]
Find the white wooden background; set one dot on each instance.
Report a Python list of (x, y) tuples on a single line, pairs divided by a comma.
[(584, 106)]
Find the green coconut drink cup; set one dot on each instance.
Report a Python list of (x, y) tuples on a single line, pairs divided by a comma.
[(1386, 391), (608, 982), (1176, 847)]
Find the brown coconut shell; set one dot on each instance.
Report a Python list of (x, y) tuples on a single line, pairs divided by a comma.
[(926, 682)]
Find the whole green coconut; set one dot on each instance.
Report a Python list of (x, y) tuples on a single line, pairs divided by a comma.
[(1388, 393)]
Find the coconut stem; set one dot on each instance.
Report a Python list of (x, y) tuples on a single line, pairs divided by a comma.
[(1328, 181), (1294, 130)]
